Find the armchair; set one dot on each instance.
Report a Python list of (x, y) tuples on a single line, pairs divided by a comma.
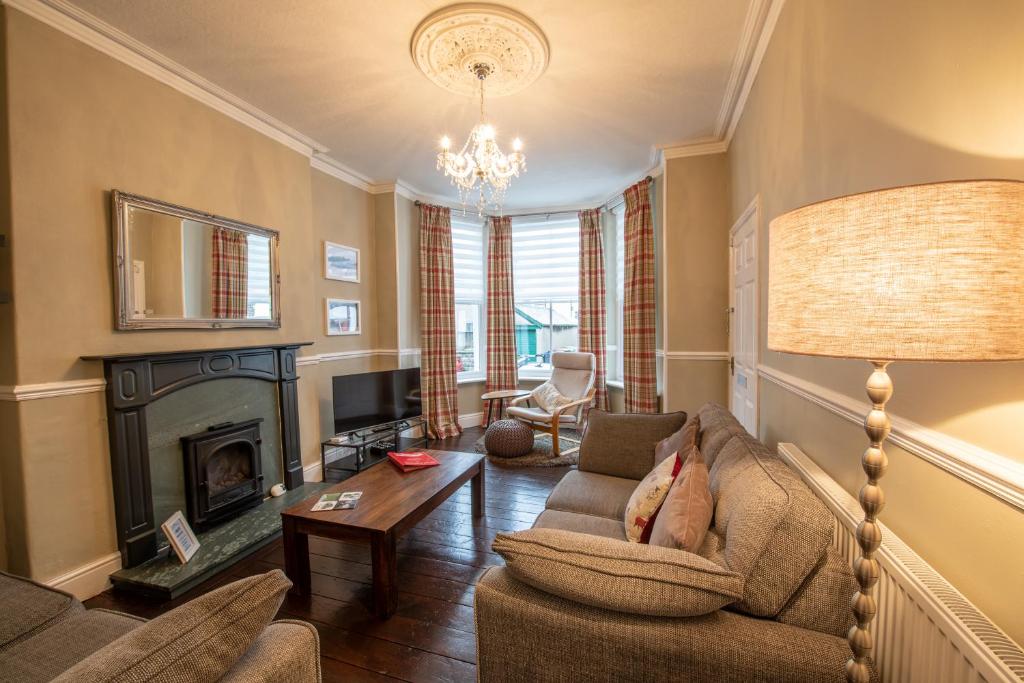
[(573, 375)]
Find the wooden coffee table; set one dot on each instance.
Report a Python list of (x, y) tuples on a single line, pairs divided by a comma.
[(392, 502)]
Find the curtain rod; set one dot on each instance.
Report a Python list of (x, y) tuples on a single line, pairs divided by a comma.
[(606, 206)]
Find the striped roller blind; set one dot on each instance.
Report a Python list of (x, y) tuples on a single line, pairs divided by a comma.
[(546, 259), (468, 256)]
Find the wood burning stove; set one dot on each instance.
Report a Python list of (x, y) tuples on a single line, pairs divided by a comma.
[(223, 475)]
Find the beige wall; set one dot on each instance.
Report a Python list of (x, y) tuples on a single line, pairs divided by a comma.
[(82, 124), (386, 259), (696, 271), (407, 245), (856, 96), (11, 500)]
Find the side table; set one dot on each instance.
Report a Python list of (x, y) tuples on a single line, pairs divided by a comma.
[(500, 397)]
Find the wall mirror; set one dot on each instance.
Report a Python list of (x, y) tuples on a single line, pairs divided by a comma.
[(176, 267)]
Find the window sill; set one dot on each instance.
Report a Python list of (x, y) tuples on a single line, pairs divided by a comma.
[(614, 383), (540, 376), (471, 379)]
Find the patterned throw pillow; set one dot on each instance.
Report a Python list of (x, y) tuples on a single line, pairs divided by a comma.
[(549, 398), (648, 497)]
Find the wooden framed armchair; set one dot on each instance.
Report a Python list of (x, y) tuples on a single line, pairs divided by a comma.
[(572, 375)]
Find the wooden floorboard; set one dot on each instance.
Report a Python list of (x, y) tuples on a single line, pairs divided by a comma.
[(431, 637)]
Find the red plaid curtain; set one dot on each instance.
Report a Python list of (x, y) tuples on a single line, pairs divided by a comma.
[(638, 354), (501, 315), (230, 274), (593, 318), (437, 312)]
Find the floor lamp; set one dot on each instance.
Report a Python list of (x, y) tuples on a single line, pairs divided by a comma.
[(924, 273)]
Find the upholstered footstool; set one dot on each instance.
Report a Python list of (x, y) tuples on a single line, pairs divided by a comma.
[(508, 439)]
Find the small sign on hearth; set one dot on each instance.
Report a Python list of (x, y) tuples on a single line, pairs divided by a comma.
[(179, 535)]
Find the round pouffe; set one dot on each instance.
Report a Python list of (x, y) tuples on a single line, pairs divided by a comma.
[(508, 439)]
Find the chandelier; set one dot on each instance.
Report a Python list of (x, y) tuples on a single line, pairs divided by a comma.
[(481, 167)]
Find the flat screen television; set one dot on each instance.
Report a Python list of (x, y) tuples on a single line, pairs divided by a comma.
[(373, 398)]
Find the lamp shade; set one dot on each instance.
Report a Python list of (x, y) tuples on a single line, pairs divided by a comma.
[(923, 272)]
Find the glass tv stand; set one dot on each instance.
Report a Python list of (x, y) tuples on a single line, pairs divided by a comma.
[(354, 451)]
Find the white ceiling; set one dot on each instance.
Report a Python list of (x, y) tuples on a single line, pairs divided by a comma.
[(625, 77)]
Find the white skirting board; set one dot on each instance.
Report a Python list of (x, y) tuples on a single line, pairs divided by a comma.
[(90, 579), (925, 629), (471, 420)]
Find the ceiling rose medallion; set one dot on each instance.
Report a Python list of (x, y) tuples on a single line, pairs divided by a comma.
[(460, 48)]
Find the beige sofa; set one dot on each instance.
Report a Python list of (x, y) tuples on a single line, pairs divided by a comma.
[(579, 603), (225, 635)]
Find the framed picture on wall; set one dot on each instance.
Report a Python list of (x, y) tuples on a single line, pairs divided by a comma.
[(179, 534), (341, 262), (343, 317)]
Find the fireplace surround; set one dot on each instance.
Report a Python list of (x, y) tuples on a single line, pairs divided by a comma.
[(133, 381)]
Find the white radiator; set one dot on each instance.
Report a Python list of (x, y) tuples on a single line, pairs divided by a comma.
[(925, 630)]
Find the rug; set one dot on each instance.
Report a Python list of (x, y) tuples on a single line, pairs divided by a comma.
[(541, 455)]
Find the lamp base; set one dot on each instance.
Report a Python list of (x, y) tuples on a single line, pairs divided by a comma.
[(869, 535)]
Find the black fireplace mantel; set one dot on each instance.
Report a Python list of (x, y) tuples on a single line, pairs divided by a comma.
[(134, 380)]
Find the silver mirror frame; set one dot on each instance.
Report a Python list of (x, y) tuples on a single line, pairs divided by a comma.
[(120, 203)]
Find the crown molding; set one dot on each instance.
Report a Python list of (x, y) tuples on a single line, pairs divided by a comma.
[(695, 149), (990, 472), (756, 34), (758, 27), (335, 169)]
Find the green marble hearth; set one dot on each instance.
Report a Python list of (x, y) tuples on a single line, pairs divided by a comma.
[(164, 577)]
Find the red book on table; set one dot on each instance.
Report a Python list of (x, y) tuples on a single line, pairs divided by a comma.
[(415, 460)]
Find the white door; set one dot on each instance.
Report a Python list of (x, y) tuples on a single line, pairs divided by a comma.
[(743, 305)]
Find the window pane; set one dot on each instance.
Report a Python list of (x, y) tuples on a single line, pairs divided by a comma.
[(546, 263), (467, 337)]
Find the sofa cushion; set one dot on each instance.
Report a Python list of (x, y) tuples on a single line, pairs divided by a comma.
[(29, 607), (717, 426), (622, 445), (775, 530), (685, 516), (646, 500), (624, 577), (582, 523), (198, 641), (681, 442), (51, 652), (286, 651), (592, 494), (822, 603)]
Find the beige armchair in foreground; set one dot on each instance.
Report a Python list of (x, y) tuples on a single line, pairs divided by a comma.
[(573, 375)]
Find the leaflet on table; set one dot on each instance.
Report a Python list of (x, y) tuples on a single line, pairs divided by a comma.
[(337, 501)]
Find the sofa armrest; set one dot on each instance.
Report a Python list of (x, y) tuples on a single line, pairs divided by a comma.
[(286, 650), (617, 575), (524, 634)]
